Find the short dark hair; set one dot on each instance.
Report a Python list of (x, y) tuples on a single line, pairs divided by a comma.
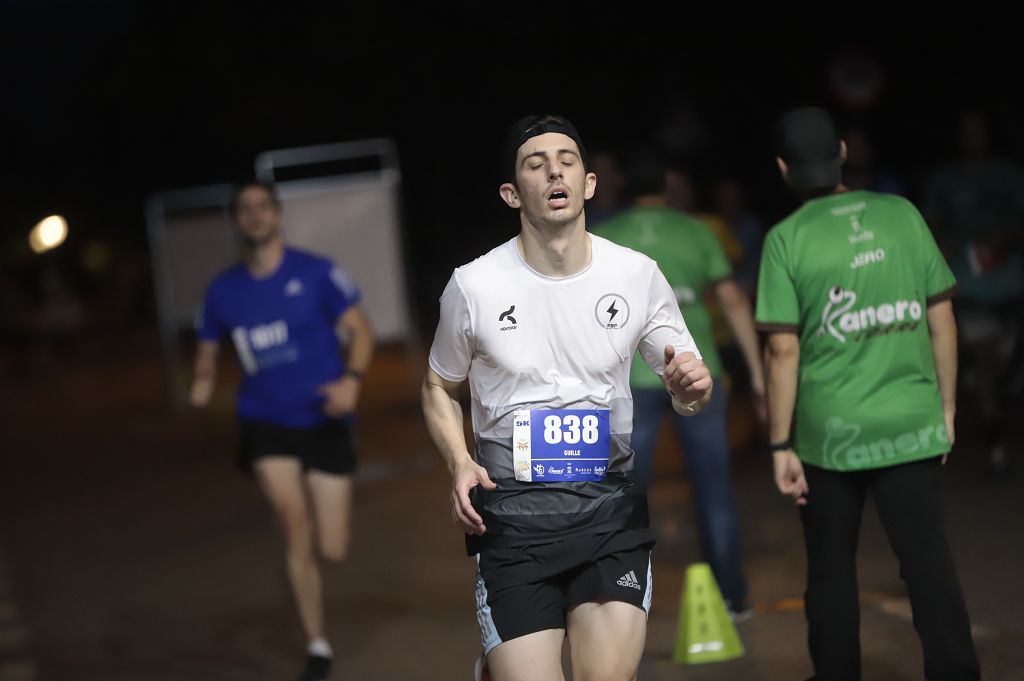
[(265, 186), (532, 126)]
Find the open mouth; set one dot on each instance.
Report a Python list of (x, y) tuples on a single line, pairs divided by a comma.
[(558, 199)]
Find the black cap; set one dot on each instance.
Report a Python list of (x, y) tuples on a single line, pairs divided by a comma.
[(532, 126), (809, 144)]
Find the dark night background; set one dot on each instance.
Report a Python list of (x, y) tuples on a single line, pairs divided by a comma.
[(107, 103), (130, 547)]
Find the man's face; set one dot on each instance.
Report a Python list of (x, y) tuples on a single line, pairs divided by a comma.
[(552, 183), (257, 215)]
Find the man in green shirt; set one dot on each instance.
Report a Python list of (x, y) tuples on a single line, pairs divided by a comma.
[(861, 348), (692, 260)]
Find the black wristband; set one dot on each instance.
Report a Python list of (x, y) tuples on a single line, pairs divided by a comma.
[(781, 446)]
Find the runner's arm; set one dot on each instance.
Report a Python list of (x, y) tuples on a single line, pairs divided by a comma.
[(361, 340), (204, 374), (341, 396), (443, 414), (444, 421)]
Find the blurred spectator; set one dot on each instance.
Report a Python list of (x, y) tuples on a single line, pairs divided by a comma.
[(976, 207), (693, 262), (680, 190), (682, 194), (608, 199), (861, 170), (745, 229)]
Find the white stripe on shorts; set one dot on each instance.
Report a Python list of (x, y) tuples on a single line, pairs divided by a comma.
[(649, 592), (488, 633)]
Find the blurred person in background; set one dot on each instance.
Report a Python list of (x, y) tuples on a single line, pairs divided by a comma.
[(609, 201), (731, 225), (744, 231), (693, 262), (975, 204), (861, 170), (282, 309), (746, 228)]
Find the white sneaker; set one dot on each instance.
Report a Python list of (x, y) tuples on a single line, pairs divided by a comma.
[(738, 616)]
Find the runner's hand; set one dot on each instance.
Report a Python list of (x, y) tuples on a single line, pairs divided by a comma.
[(467, 475), (201, 392), (340, 396), (686, 376)]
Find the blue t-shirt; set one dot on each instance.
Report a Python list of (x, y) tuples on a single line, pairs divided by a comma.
[(283, 329)]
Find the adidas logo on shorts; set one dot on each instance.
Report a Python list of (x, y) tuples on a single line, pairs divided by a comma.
[(629, 579)]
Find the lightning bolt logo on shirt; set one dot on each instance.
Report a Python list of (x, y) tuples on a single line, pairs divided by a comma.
[(612, 311)]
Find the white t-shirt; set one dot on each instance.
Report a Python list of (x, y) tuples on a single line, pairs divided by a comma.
[(528, 341)]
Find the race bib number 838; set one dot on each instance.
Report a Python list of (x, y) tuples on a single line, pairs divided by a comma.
[(560, 444)]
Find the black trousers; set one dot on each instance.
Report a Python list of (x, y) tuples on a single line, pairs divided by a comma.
[(909, 501)]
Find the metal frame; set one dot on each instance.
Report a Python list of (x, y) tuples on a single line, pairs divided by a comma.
[(158, 207), (269, 161)]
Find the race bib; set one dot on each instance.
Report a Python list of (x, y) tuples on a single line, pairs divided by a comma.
[(559, 445)]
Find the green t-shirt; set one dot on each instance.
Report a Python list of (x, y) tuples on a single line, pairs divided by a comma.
[(853, 274), (689, 256)]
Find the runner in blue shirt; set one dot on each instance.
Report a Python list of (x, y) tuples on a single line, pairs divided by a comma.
[(282, 309)]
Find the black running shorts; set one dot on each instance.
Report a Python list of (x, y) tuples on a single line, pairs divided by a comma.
[(525, 589), (327, 448)]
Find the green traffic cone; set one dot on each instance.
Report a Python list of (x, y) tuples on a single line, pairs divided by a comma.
[(705, 632)]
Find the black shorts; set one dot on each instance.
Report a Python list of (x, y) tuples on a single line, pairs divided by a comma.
[(525, 589), (327, 447)]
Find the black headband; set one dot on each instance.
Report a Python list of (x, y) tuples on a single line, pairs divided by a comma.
[(532, 126)]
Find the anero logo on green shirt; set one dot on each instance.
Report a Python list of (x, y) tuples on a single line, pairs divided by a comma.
[(841, 317), (852, 276), (846, 449)]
